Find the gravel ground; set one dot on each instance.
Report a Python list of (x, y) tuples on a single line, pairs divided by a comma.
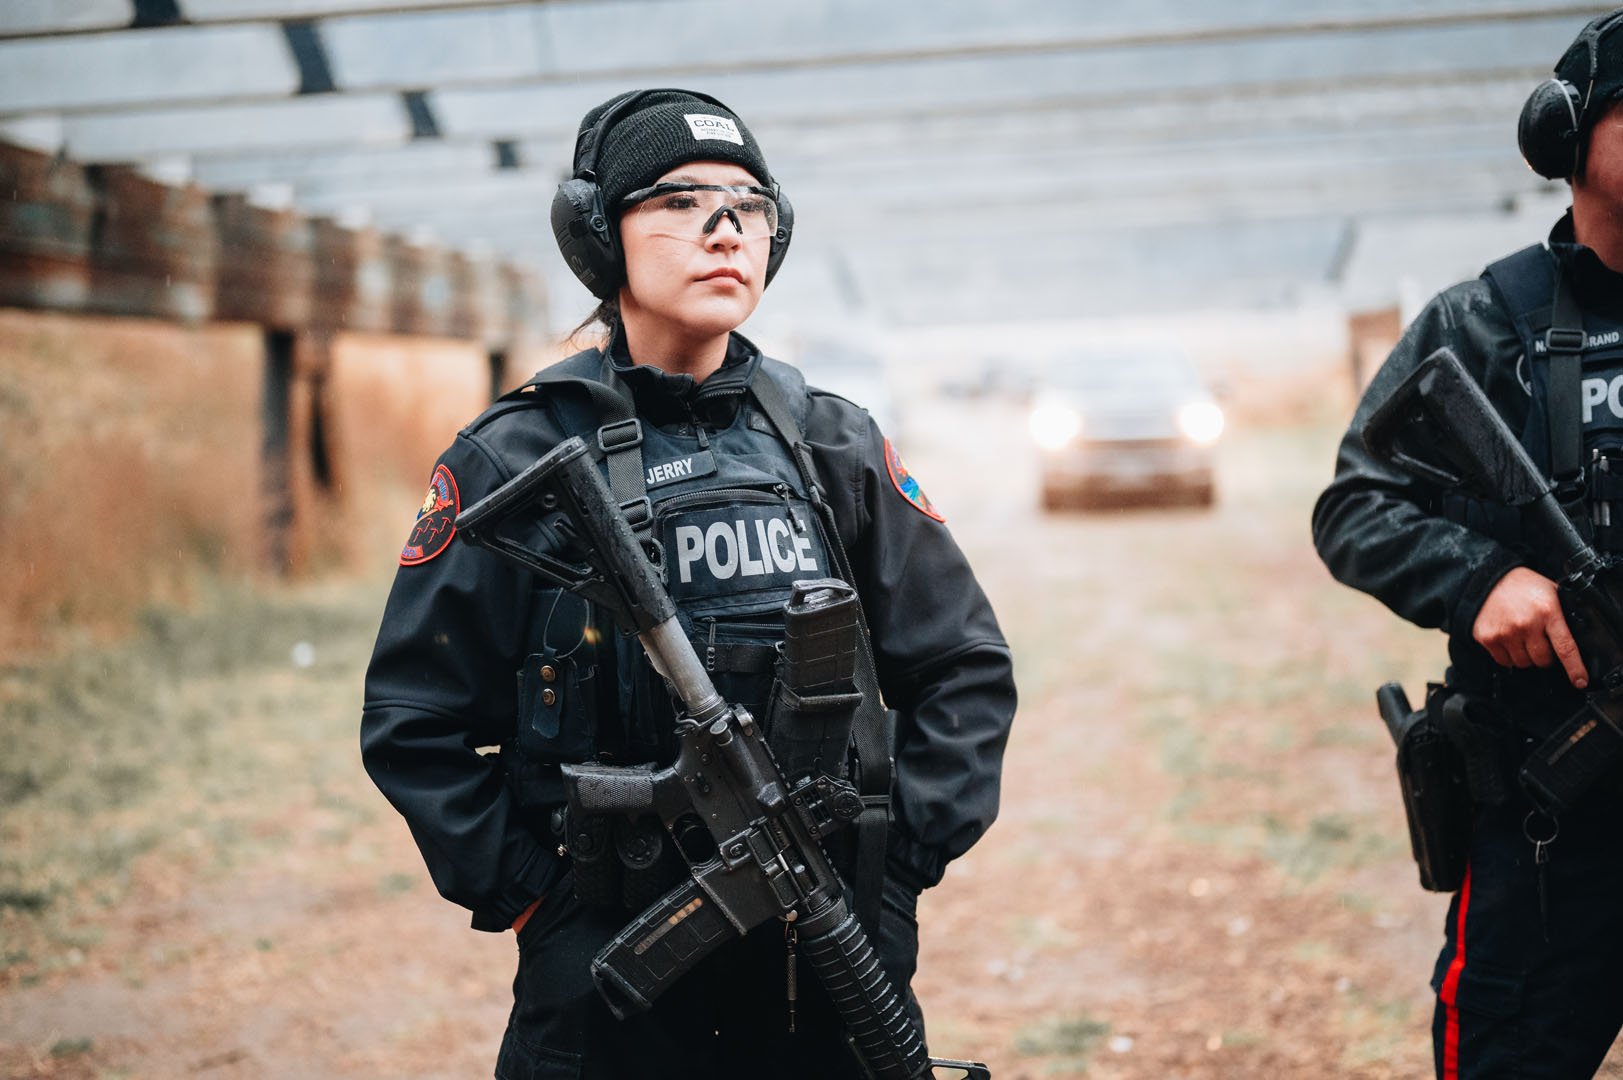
[(1200, 869)]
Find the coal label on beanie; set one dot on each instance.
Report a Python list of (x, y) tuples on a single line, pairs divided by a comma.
[(708, 126)]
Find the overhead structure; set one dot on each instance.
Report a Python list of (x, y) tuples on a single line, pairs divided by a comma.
[(949, 160)]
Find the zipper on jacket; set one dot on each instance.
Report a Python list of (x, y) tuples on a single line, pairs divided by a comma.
[(784, 492), (694, 425), (707, 627), (721, 497), (705, 396)]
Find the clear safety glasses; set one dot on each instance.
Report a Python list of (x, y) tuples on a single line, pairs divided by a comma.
[(694, 211)]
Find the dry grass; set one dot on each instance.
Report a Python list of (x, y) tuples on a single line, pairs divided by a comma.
[(180, 742)]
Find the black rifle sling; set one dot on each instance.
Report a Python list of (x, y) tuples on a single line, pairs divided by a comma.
[(1564, 342), (1524, 282), (618, 443), (621, 443), (869, 731)]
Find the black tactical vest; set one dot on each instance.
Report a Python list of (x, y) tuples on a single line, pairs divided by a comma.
[(1525, 283), (730, 521), (728, 515)]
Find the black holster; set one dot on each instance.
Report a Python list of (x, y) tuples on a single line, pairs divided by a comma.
[(1433, 775), (621, 862)]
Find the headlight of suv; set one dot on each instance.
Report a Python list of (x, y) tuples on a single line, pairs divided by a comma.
[(1201, 421), (1054, 424)]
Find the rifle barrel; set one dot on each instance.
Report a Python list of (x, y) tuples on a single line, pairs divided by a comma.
[(672, 653)]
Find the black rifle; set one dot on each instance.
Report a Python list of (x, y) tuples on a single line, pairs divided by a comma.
[(751, 838), (1439, 426)]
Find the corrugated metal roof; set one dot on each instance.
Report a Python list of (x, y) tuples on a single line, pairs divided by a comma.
[(947, 159)]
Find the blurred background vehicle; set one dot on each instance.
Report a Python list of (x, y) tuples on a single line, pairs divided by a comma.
[(1127, 421)]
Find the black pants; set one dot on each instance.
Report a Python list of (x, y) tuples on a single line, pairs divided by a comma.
[(1531, 989), (727, 1018)]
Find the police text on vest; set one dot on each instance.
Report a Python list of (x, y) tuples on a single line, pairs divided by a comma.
[(1596, 391), (729, 548)]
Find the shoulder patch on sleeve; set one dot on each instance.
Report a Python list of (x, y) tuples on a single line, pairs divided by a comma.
[(908, 486), (436, 520)]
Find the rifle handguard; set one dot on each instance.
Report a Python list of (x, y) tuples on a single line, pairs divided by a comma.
[(874, 1013)]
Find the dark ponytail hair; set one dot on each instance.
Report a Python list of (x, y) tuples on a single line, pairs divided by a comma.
[(606, 312)]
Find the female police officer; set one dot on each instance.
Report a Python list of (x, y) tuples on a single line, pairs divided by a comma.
[(674, 221)]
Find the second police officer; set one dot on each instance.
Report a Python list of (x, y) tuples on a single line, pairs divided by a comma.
[(1526, 980), (674, 222)]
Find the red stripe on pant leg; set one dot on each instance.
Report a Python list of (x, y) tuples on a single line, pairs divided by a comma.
[(1451, 987)]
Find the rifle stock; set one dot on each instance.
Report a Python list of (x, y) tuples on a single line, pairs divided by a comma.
[(1439, 412)]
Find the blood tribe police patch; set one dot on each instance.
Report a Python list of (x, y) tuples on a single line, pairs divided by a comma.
[(436, 520), (908, 486)]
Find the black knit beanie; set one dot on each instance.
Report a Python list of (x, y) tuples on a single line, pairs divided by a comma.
[(1574, 66), (667, 128)]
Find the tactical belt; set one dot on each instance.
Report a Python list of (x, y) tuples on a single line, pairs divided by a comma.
[(1482, 746)]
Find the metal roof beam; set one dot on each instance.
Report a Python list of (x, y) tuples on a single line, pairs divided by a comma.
[(546, 133), (954, 221), (967, 24), (558, 45), (794, 148), (1031, 176)]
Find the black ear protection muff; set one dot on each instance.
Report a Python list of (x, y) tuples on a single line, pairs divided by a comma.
[(1550, 129), (1547, 131), (586, 229)]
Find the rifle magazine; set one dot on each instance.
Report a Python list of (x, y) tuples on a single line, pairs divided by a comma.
[(658, 947)]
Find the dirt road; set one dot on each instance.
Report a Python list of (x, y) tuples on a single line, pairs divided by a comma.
[(1199, 870)]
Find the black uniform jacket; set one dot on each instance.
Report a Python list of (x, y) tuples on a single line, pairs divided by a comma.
[(442, 678), (1384, 532)]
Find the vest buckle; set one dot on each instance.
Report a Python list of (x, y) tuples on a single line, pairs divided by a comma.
[(1564, 339), (638, 512), (1571, 488), (620, 435)]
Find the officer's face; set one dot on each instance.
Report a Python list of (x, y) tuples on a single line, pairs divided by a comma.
[(1602, 177), (702, 287)]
